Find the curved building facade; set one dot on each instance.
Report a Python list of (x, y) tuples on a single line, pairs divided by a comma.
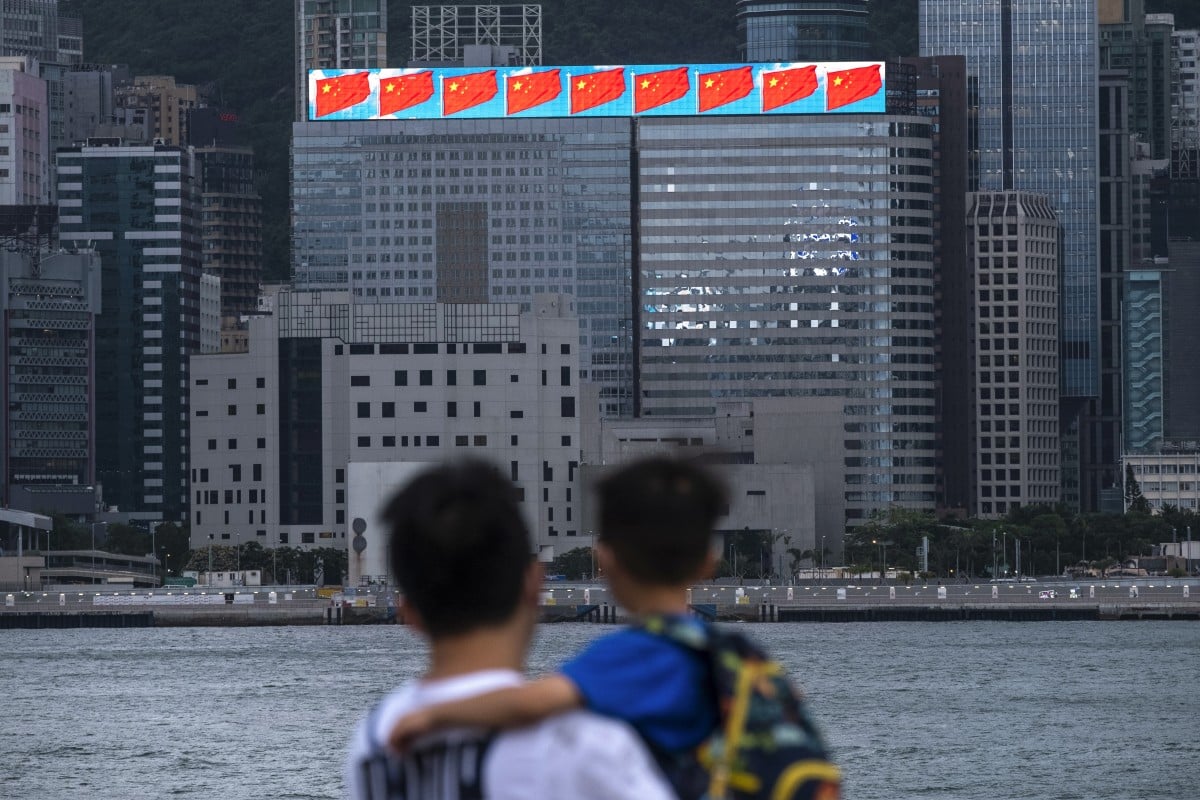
[(803, 30)]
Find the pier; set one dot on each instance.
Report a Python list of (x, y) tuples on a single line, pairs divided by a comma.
[(1145, 600)]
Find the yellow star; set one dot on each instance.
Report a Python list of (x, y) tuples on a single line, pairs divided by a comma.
[(390, 87), (454, 87), (837, 81), (517, 86), (326, 89), (581, 85), (774, 82), (708, 84), (645, 83)]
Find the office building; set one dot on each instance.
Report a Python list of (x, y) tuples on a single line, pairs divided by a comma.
[(24, 134), (1139, 44), (1034, 74), (137, 207), (231, 225), (1145, 373), (795, 261), (331, 383), (1185, 91), (165, 103), (49, 304), (803, 30), (335, 34), (476, 211), (1013, 239)]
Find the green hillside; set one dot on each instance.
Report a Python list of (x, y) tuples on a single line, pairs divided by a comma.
[(241, 52)]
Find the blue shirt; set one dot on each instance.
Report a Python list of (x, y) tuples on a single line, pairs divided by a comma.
[(658, 686)]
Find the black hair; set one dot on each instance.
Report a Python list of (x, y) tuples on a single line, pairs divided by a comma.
[(657, 516), (459, 546)]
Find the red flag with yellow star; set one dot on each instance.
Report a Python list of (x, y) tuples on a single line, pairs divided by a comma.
[(467, 91), (527, 91), (786, 86), (596, 89), (655, 89), (404, 91), (719, 88), (851, 85), (335, 94)]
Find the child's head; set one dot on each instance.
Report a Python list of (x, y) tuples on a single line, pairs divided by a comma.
[(459, 547), (657, 517)]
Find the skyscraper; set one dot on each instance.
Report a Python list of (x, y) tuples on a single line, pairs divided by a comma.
[(24, 139), (1033, 69), (803, 30), (137, 208), (337, 34), (49, 305)]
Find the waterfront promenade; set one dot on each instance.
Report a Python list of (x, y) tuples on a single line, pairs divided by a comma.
[(802, 602)]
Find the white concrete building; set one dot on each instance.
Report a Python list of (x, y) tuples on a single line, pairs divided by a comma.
[(328, 383), (24, 134), (1168, 478)]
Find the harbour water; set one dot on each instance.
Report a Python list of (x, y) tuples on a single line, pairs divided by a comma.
[(953, 711)]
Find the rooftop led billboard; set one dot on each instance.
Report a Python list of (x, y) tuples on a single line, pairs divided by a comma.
[(644, 90)]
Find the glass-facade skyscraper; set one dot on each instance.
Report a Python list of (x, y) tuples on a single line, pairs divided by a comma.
[(779, 259), (137, 208), (475, 211), (803, 30), (1032, 68)]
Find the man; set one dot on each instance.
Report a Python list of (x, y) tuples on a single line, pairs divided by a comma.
[(461, 554)]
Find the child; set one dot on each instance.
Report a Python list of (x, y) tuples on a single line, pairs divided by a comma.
[(656, 523)]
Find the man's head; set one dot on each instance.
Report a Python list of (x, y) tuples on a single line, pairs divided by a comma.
[(657, 517), (459, 547)]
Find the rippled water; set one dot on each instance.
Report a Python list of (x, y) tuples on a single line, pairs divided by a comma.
[(955, 711)]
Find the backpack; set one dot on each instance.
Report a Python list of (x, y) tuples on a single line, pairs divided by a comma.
[(449, 769), (765, 744)]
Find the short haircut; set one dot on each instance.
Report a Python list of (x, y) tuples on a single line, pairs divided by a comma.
[(657, 516), (459, 546)]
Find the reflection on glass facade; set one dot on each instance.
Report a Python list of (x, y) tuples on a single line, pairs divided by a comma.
[(813, 30), (392, 210), (1144, 368), (1033, 66), (795, 258)]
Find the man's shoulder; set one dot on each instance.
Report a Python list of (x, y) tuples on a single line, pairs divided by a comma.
[(576, 754)]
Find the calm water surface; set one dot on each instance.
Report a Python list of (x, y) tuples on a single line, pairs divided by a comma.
[(954, 711)]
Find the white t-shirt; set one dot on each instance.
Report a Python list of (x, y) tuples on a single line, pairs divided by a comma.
[(574, 755)]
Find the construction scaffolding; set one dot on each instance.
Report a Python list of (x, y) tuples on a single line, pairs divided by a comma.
[(441, 34)]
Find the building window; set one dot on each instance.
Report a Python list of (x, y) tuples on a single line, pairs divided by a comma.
[(516, 414), (566, 441), (479, 377), (233, 444), (364, 410), (307, 537), (389, 441), (401, 377), (260, 409), (260, 383), (388, 409), (426, 377), (231, 383), (364, 441), (568, 406), (433, 441), (231, 411), (451, 409), (460, 441), (451, 377), (360, 380), (256, 472), (420, 407), (262, 443)]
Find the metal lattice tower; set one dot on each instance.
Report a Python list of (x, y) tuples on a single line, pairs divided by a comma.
[(440, 33)]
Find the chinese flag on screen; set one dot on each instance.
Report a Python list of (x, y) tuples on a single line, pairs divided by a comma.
[(719, 88), (334, 94), (786, 86), (405, 91), (467, 91), (596, 89), (851, 85), (659, 88), (527, 91)]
